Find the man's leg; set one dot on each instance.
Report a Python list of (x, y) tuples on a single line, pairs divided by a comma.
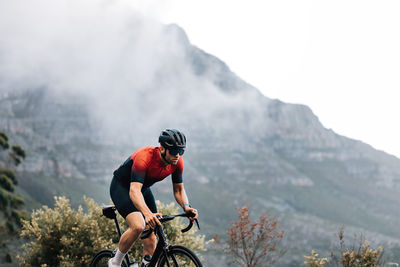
[(149, 245), (136, 225)]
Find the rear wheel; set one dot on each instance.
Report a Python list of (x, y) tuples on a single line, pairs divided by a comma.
[(179, 256), (101, 259)]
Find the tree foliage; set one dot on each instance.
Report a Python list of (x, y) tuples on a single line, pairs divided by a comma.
[(10, 174), (6, 183), (64, 236), (4, 141), (253, 243), (17, 154), (10, 203)]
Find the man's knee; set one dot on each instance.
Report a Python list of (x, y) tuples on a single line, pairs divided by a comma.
[(137, 227), (136, 222)]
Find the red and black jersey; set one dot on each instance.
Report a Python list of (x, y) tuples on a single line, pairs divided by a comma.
[(146, 166)]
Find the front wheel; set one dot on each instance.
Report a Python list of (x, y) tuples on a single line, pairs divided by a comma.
[(101, 259), (179, 256)]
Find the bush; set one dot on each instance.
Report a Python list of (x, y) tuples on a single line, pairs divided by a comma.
[(8, 258), (9, 173), (10, 203), (360, 254), (66, 237), (364, 256), (314, 261), (3, 136), (19, 151), (6, 183), (10, 227), (4, 199), (17, 202), (18, 216), (253, 243), (17, 154), (3, 141)]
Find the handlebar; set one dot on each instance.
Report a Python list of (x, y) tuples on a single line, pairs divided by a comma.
[(146, 233)]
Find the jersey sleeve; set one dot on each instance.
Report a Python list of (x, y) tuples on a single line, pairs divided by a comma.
[(177, 174), (138, 171)]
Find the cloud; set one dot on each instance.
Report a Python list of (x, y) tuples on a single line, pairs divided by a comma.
[(135, 74)]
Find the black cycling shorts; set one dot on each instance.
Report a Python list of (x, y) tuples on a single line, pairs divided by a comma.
[(120, 196)]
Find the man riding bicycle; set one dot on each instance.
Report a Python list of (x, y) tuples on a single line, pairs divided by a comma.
[(131, 194)]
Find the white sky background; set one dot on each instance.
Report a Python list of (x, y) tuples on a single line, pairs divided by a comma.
[(341, 58)]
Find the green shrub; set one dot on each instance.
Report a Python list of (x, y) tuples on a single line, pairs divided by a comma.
[(4, 199), (9, 173), (15, 158), (10, 203), (8, 258), (17, 202), (4, 141), (361, 255), (18, 216), (6, 183), (19, 151), (66, 237), (314, 260), (17, 154), (10, 227)]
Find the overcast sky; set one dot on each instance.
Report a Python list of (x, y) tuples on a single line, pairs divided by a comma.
[(341, 58)]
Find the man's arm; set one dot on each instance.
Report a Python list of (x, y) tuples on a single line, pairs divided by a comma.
[(136, 196), (181, 198)]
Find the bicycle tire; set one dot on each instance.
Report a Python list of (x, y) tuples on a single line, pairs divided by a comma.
[(179, 256), (101, 259)]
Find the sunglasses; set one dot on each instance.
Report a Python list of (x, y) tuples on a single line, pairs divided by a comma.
[(175, 151)]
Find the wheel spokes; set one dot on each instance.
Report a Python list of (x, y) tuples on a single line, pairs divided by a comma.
[(174, 260)]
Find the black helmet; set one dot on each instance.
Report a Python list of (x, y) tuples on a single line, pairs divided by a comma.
[(172, 139)]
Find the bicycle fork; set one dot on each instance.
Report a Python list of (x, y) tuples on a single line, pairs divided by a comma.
[(162, 246)]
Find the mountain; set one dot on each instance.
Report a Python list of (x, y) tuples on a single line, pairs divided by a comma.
[(82, 118)]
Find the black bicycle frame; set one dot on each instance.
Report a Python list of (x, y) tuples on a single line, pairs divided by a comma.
[(162, 246)]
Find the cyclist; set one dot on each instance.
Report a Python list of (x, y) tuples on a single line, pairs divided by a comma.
[(131, 194)]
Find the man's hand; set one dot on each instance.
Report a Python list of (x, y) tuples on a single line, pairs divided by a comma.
[(192, 210), (152, 219)]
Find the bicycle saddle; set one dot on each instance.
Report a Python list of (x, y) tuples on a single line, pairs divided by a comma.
[(109, 211)]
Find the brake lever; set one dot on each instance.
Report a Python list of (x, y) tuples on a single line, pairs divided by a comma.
[(191, 214), (188, 227), (191, 225), (197, 223)]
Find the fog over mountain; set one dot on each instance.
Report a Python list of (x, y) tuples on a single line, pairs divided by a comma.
[(84, 84)]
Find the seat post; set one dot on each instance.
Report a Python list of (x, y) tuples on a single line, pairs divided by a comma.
[(118, 228)]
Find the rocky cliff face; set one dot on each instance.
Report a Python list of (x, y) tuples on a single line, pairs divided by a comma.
[(242, 145)]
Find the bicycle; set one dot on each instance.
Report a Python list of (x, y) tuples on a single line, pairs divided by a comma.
[(164, 255)]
